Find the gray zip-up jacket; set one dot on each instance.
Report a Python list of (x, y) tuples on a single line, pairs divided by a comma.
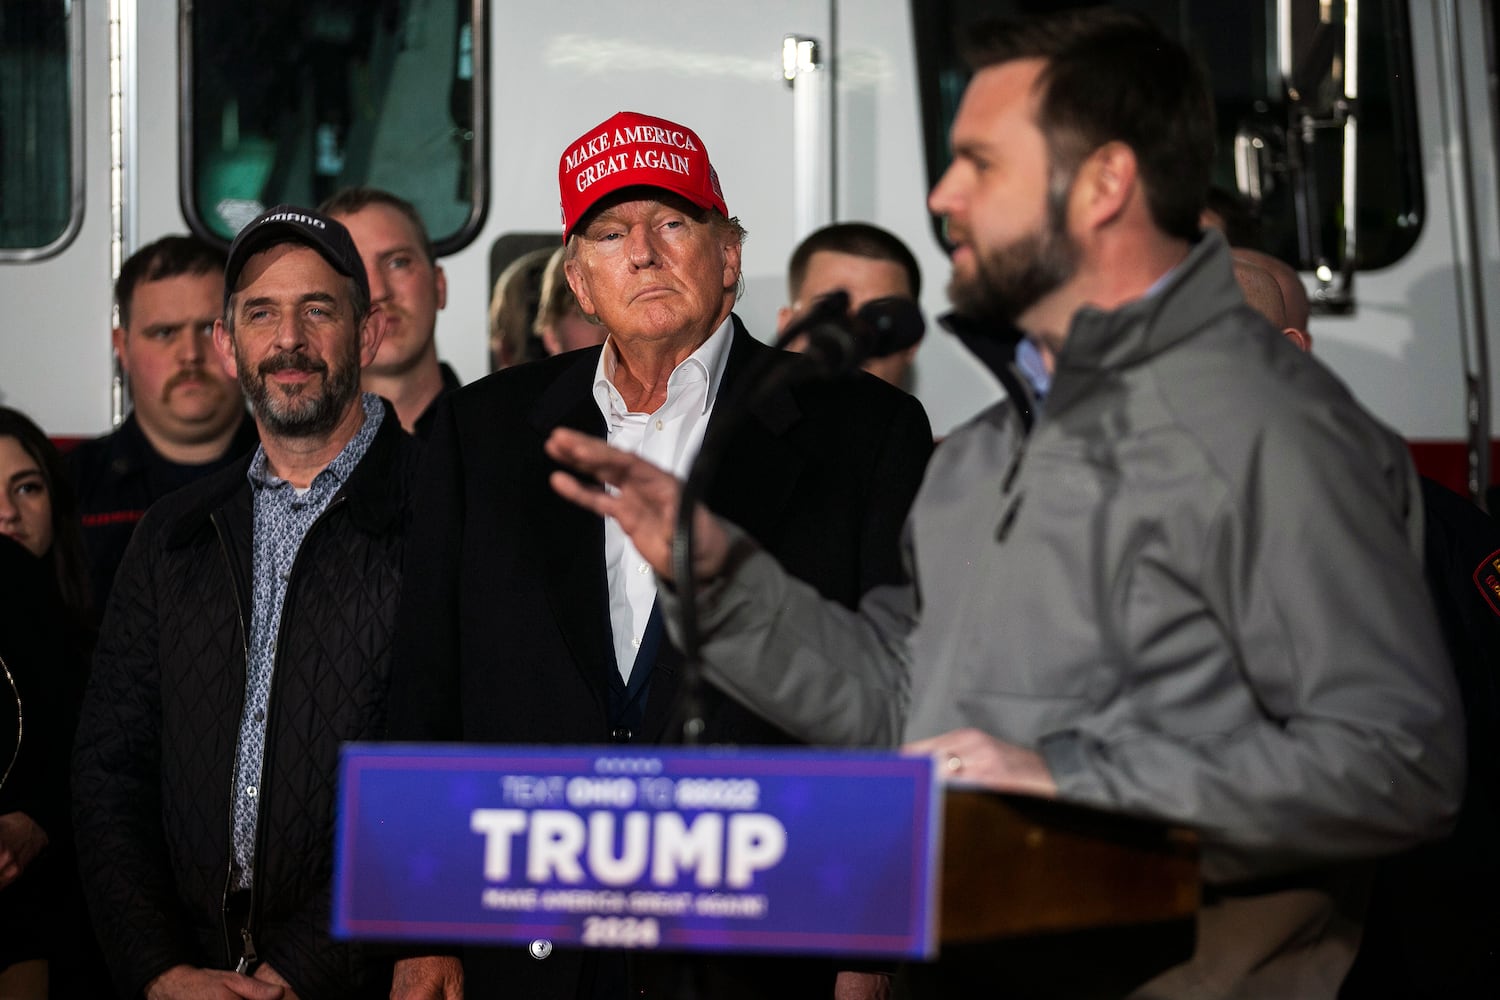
[(1194, 588)]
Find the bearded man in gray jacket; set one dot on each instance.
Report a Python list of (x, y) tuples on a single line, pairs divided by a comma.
[(1177, 579)]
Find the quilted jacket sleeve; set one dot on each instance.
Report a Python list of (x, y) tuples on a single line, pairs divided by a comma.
[(122, 852)]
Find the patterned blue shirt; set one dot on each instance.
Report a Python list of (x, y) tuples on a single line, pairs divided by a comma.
[(283, 515)]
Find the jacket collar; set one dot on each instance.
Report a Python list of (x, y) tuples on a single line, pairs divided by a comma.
[(568, 400), (423, 426), (374, 492), (746, 370), (562, 403), (1200, 290), (131, 451)]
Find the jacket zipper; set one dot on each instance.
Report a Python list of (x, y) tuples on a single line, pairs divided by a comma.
[(247, 944), (248, 958)]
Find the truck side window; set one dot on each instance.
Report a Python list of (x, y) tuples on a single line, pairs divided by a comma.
[(41, 191), (290, 101), (1239, 44)]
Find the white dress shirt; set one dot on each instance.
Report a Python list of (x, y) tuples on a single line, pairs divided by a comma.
[(669, 439)]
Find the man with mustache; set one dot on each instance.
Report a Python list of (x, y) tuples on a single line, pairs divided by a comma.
[(248, 637), (410, 288), (188, 418), (1177, 582)]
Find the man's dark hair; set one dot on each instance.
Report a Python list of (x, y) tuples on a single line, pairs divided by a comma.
[(168, 257), (355, 199), (1113, 76), (1241, 226), (858, 239)]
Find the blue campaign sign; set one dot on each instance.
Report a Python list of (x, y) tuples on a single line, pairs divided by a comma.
[(790, 851)]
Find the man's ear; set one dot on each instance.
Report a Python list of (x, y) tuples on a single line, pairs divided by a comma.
[(574, 274), (783, 317), (371, 332), (1105, 185), (117, 339), (441, 280), (1301, 338), (224, 348), (732, 264)]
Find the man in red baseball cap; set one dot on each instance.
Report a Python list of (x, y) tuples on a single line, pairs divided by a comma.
[(633, 150), (528, 620)]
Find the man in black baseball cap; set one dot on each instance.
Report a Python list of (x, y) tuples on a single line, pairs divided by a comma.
[(290, 224), (301, 379), (247, 642)]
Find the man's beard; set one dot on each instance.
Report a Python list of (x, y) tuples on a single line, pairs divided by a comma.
[(299, 411), (1009, 280)]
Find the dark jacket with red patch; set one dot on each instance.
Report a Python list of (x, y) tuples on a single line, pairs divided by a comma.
[(118, 476)]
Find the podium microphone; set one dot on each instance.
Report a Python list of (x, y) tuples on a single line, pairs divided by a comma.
[(838, 342), (832, 308), (830, 341)]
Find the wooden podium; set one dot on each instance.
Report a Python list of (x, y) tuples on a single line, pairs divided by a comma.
[(1044, 899), (1016, 865)]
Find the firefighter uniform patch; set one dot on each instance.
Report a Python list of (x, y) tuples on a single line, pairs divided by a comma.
[(1487, 579)]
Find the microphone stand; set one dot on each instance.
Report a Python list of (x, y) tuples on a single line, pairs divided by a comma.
[(770, 373), (833, 350)]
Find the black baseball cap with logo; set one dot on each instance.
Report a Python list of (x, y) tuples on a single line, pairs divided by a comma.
[(291, 224)]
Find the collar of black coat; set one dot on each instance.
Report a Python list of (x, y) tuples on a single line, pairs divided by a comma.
[(130, 452), (559, 404), (375, 492)]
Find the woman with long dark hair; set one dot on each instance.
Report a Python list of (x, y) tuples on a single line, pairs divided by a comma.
[(65, 556), (44, 639)]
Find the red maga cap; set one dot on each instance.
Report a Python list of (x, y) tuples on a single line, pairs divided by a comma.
[(633, 149)]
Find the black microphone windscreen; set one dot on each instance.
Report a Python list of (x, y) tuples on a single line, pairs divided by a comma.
[(889, 325), (830, 308)]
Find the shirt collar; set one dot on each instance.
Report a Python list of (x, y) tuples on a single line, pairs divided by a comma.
[(1033, 368), (337, 471), (705, 364), (1160, 283), (1029, 356)]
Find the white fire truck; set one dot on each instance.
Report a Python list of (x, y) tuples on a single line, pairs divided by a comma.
[(1362, 132)]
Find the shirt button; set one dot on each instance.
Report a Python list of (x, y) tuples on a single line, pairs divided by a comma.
[(635, 642), (643, 568), (251, 790), (260, 716), (659, 424), (541, 948)]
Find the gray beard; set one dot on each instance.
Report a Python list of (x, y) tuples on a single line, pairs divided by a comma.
[(298, 414)]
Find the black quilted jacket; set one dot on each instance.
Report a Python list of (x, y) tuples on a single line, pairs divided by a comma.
[(154, 758)]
